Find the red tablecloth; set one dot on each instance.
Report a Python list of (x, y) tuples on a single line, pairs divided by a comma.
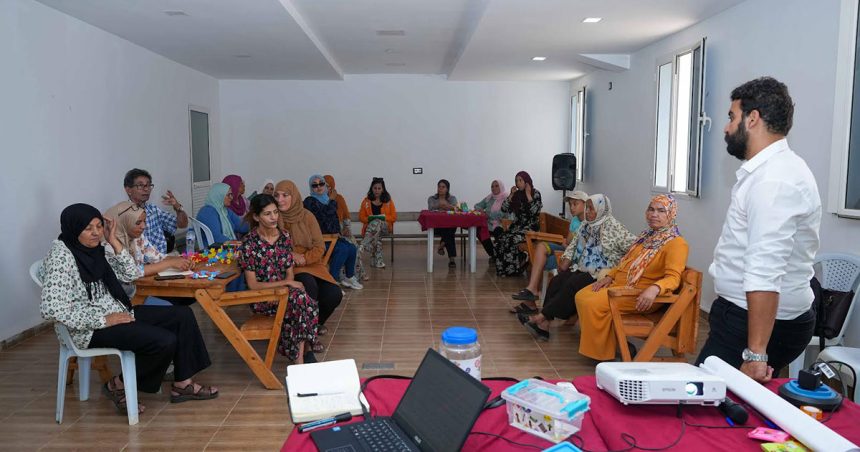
[(657, 426), (430, 219), (385, 394)]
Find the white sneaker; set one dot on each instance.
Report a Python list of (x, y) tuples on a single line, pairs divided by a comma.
[(352, 283)]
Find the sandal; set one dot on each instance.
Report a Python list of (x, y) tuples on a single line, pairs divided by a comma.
[(322, 330), (524, 309), (179, 395), (524, 295), (318, 347), (537, 332), (117, 396)]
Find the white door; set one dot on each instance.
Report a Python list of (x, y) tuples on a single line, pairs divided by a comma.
[(200, 180)]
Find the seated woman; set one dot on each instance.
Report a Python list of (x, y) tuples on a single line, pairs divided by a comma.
[(544, 254), (524, 203), (267, 188), (324, 210), (343, 217), (223, 223), (266, 258), (377, 215), (599, 246), (444, 201), (308, 250), (491, 205), (130, 223), (82, 290), (239, 205), (654, 264)]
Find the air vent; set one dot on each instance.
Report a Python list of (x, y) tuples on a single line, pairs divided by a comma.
[(632, 390), (176, 12), (390, 33)]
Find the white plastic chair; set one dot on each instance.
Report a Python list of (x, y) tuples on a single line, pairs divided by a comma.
[(849, 356), (838, 272), (68, 350), (199, 230)]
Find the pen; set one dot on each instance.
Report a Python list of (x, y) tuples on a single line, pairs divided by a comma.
[(324, 422), (314, 394), (729, 420)]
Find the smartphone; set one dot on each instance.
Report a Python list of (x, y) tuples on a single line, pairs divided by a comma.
[(168, 277), (225, 275)]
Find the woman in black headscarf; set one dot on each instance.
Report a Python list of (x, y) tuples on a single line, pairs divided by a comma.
[(81, 290)]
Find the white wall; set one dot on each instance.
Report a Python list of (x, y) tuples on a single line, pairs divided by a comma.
[(467, 132), (792, 40), (79, 108)]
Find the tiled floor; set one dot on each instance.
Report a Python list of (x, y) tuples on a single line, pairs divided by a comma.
[(399, 314)]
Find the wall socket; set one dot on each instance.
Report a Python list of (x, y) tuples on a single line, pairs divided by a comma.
[(417, 170)]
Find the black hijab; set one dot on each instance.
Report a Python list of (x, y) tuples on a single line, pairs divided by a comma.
[(92, 264)]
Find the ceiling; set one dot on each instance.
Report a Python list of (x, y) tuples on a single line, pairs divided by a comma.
[(327, 39)]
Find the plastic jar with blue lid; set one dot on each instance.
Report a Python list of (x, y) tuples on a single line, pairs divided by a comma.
[(460, 345)]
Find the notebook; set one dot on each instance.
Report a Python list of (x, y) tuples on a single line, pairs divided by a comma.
[(335, 384), (436, 413), (175, 272)]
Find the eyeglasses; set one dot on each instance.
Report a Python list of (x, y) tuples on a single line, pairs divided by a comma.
[(143, 186), (133, 208), (321, 184)]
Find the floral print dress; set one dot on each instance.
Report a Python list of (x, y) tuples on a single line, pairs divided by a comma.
[(509, 258), (270, 263)]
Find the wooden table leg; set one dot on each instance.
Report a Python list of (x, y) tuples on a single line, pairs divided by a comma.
[(242, 346)]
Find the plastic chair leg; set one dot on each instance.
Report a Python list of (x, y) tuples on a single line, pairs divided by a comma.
[(61, 382), (84, 366), (129, 372)]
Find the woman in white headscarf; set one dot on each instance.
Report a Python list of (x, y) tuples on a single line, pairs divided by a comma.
[(491, 205)]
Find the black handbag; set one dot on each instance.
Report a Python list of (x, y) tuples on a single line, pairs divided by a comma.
[(831, 309)]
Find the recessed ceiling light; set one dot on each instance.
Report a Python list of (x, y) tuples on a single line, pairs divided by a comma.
[(242, 55), (390, 33), (538, 58), (592, 20), (175, 12), (390, 51)]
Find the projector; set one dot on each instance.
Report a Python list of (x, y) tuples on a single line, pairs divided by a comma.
[(660, 383)]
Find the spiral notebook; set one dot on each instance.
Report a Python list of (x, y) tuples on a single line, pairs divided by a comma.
[(321, 390)]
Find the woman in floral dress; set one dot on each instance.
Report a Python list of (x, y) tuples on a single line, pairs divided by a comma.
[(524, 203), (266, 258)]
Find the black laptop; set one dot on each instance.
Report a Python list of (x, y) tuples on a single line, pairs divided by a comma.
[(436, 413)]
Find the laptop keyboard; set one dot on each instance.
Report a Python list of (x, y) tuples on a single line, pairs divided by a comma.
[(378, 436)]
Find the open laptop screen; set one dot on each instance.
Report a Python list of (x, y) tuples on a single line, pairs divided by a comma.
[(441, 404)]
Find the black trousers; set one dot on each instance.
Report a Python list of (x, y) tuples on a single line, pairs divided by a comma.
[(328, 295), (447, 235), (559, 302), (488, 247), (728, 336), (159, 335)]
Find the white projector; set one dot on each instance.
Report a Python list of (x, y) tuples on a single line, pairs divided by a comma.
[(660, 383)]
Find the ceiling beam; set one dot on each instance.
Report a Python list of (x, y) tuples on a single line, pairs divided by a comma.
[(308, 30), (614, 62)]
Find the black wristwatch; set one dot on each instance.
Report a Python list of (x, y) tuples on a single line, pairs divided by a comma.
[(749, 355)]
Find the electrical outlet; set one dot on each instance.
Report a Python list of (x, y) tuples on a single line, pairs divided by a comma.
[(417, 170)]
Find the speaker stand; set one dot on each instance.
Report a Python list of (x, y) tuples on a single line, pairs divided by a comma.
[(563, 202)]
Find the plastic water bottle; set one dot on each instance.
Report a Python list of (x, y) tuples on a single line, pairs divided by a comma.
[(190, 241), (460, 345)]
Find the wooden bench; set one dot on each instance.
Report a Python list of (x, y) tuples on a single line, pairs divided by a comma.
[(404, 217)]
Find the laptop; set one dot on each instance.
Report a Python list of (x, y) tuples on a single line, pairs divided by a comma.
[(436, 413)]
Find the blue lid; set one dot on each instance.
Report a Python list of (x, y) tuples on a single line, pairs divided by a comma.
[(563, 447), (460, 335)]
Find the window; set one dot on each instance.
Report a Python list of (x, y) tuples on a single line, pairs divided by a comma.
[(680, 120), (577, 131), (844, 190)]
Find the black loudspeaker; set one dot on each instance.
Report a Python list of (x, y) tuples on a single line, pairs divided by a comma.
[(564, 172)]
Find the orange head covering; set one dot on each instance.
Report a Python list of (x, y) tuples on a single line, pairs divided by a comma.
[(342, 209), (653, 239)]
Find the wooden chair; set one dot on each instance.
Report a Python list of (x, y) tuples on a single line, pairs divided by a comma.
[(259, 326), (675, 325), (552, 229), (329, 240)]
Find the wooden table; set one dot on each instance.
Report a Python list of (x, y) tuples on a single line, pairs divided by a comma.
[(213, 299)]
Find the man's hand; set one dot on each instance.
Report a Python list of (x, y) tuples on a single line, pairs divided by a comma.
[(171, 200), (118, 317), (757, 370)]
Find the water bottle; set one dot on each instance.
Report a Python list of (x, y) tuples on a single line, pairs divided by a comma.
[(190, 239), (460, 345)]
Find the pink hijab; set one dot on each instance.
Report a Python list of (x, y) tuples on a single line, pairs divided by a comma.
[(500, 198), (238, 205)]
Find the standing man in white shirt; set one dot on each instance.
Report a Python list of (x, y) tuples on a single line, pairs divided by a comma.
[(762, 318)]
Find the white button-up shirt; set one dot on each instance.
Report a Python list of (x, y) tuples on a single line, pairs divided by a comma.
[(770, 236)]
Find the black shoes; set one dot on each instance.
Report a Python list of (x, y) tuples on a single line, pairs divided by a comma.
[(525, 295), (536, 331)]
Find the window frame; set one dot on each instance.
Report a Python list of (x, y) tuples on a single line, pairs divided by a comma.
[(842, 115), (696, 123), (578, 135)]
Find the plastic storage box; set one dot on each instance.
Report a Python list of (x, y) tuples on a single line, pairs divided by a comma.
[(544, 409)]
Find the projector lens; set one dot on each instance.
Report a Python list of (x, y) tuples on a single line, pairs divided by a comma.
[(694, 389)]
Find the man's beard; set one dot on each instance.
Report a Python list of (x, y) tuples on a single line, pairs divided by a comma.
[(736, 143)]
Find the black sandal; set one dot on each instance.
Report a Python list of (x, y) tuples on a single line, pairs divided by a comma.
[(524, 295), (536, 331), (523, 308)]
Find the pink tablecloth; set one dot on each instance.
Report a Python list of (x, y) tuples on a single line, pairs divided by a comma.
[(657, 426), (385, 394), (430, 219)]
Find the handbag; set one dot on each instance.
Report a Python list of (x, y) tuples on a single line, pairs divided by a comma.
[(831, 309)]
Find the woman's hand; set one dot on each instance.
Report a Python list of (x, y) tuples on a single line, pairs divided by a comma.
[(513, 190), (601, 283), (564, 265), (118, 318), (296, 285), (300, 259), (646, 298), (179, 262)]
